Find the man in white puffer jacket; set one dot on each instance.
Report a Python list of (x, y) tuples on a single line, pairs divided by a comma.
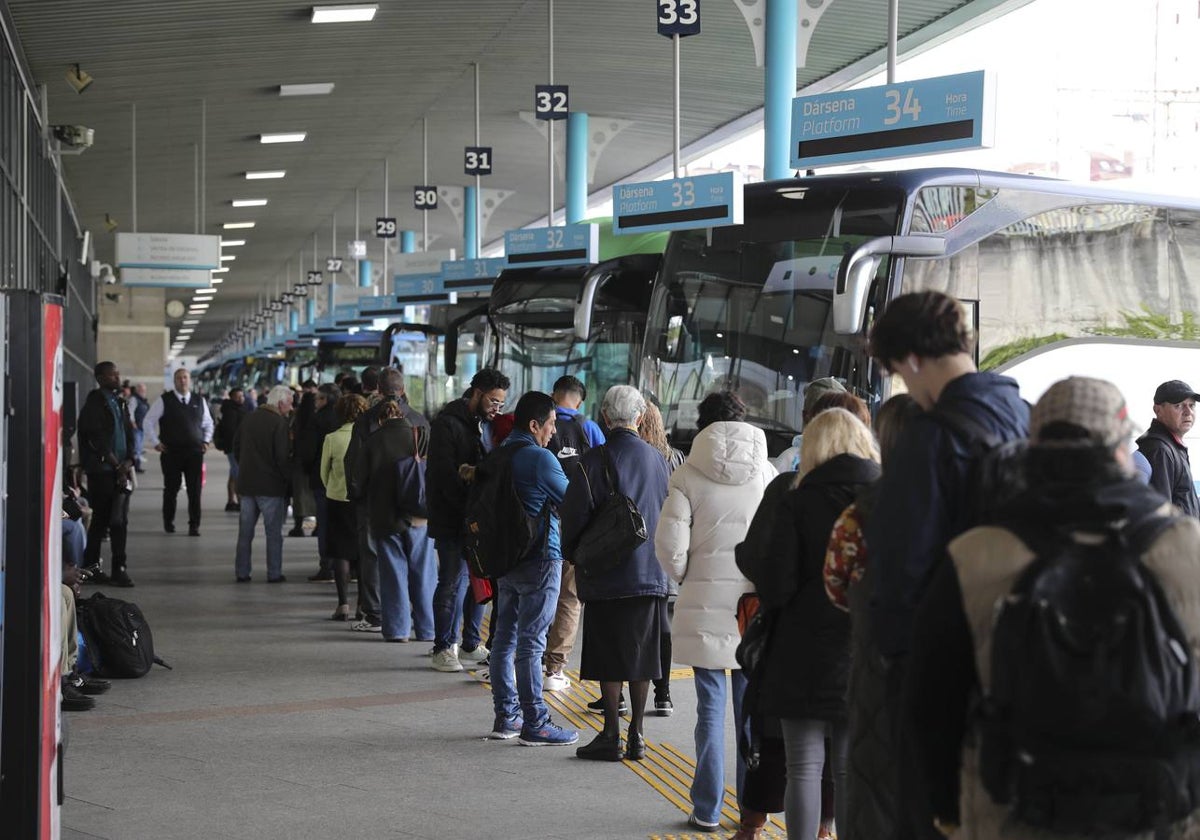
[(710, 503)]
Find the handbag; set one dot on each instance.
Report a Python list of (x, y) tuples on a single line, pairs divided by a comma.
[(410, 483), (616, 528)]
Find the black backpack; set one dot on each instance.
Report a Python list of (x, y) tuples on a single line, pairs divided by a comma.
[(498, 534), (569, 442), (1090, 726), (118, 638), (996, 474)]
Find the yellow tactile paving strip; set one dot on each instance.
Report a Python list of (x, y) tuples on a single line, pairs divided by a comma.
[(665, 768)]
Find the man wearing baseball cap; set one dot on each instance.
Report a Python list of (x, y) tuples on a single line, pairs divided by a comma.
[(1078, 473), (1162, 445)]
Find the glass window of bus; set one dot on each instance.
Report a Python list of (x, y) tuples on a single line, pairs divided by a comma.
[(749, 307), (937, 209), (1058, 291)]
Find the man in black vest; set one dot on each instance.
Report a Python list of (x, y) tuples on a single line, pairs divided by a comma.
[(181, 428)]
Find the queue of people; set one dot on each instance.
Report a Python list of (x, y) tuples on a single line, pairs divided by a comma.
[(862, 601)]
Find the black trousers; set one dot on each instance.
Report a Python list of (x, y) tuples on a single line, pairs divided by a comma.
[(180, 466), (110, 512), (368, 567)]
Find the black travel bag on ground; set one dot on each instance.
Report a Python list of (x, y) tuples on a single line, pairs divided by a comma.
[(118, 637)]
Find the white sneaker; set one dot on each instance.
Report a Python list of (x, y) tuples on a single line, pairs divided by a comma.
[(433, 650), (479, 654), (445, 661), (556, 681)]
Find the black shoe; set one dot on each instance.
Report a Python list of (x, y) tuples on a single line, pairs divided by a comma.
[(322, 576), (233, 507), (602, 748), (96, 575), (121, 578), (635, 746), (88, 685), (193, 530), (280, 579), (298, 531), (663, 707), (75, 701), (596, 707), (169, 527), (245, 579), (139, 470)]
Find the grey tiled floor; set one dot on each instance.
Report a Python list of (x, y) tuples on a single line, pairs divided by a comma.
[(278, 723)]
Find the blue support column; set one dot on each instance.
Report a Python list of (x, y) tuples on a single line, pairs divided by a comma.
[(408, 241), (780, 88), (293, 321), (310, 309), (577, 167), (470, 240), (364, 273)]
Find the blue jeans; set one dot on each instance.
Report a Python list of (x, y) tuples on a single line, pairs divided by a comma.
[(452, 585), (407, 577), (708, 787), (233, 465), (526, 599), (74, 542), (272, 509), (139, 437)]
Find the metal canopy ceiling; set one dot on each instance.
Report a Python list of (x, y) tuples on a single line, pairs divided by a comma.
[(412, 62)]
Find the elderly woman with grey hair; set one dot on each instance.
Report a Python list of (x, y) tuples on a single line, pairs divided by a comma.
[(627, 604)]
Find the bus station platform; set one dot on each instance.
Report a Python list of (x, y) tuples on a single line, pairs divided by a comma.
[(277, 723)]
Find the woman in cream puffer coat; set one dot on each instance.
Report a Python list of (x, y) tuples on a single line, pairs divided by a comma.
[(710, 502)]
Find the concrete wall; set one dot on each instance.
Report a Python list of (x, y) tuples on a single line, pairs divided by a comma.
[(133, 334)]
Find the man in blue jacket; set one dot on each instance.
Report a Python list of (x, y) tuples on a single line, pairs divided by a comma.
[(526, 596), (925, 338)]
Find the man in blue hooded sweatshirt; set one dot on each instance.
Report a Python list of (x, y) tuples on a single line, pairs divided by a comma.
[(926, 339)]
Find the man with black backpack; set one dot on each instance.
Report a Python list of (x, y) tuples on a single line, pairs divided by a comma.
[(1064, 641), (574, 434), (456, 440), (526, 557), (932, 490)]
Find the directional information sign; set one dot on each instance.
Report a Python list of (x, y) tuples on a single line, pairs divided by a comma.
[(325, 324), (346, 315), (477, 160), (550, 102), (421, 289), (927, 116), (679, 17), (679, 204), (421, 262), (379, 306), (566, 245), (472, 275)]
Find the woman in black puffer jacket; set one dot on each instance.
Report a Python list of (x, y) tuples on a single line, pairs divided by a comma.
[(807, 665)]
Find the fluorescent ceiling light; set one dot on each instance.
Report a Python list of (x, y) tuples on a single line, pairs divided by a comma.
[(237, 225), (232, 243), (222, 270), (314, 89), (195, 321), (357, 13), (283, 137), (249, 202), (202, 299), (213, 292), (197, 307), (265, 173), (216, 280), (228, 258)]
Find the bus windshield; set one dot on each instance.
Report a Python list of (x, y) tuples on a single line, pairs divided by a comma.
[(748, 307), (533, 319)]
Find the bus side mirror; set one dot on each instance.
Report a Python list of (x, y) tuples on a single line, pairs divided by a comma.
[(857, 271), (585, 304)]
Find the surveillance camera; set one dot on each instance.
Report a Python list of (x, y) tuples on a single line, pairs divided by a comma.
[(103, 272), (74, 136)]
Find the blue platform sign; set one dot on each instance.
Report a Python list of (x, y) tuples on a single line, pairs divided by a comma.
[(680, 204), (549, 246), (472, 275), (346, 315), (379, 306), (325, 324), (927, 116), (421, 289)]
